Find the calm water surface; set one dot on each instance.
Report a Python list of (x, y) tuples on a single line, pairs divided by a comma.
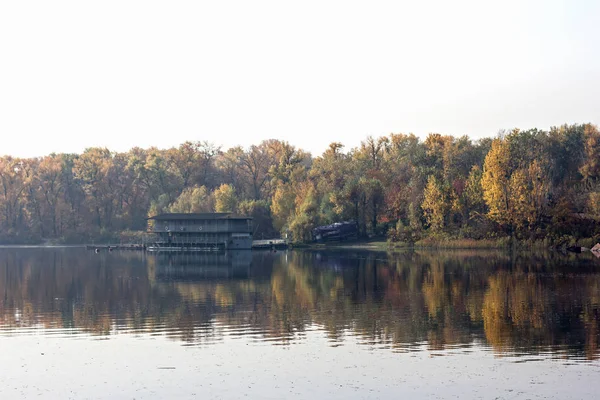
[(463, 324)]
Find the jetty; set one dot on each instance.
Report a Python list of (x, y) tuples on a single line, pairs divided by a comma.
[(110, 247), (270, 244)]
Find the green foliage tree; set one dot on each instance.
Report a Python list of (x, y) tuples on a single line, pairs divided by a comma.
[(306, 215), (192, 200), (473, 194)]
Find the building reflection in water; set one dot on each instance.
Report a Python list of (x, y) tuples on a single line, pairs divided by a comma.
[(511, 304), (200, 266)]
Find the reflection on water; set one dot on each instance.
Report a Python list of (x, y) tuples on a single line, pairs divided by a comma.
[(516, 305)]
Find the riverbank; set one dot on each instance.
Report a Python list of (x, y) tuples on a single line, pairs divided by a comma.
[(379, 244), (134, 239), (382, 245), (376, 245)]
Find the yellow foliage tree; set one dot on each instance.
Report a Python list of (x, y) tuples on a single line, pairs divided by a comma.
[(495, 182), (517, 198), (282, 207), (225, 198), (435, 204), (520, 207), (593, 204)]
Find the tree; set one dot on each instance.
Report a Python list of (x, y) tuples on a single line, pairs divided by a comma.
[(262, 221), (256, 163), (591, 166), (193, 162), (305, 217), (520, 209), (186, 160), (91, 171), (48, 191), (334, 178), (192, 200), (516, 192), (473, 189), (495, 182), (159, 175), (283, 206), (403, 183), (371, 166), (538, 191), (225, 198), (593, 204), (228, 170), (435, 204), (14, 179), (159, 206)]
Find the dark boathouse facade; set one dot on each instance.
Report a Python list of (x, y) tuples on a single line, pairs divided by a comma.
[(200, 232)]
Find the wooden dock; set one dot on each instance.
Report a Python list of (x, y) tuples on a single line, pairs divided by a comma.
[(111, 247), (270, 244)]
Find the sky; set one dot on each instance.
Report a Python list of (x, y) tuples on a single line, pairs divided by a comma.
[(127, 73)]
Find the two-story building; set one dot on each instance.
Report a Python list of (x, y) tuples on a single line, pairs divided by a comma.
[(200, 232)]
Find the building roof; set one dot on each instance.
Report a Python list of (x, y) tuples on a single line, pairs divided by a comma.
[(196, 216)]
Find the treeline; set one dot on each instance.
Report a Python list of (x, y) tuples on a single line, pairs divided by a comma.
[(531, 184)]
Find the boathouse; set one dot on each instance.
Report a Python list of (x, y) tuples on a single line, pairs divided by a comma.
[(200, 232)]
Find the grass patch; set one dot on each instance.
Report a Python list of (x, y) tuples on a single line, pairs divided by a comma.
[(441, 241), (448, 243)]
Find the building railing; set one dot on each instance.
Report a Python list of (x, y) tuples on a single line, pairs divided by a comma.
[(164, 228)]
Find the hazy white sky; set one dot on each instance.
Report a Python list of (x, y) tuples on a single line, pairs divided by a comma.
[(75, 74)]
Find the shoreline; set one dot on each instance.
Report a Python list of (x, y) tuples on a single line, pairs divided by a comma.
[(457, 244), (378, 244)]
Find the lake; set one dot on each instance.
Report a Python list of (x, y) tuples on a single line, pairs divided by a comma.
[(298, 324)]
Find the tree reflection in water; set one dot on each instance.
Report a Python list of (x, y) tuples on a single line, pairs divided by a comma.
[(516, 304)]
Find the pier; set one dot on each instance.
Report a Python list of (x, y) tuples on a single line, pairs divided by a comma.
[(111, 247), (270, 244)]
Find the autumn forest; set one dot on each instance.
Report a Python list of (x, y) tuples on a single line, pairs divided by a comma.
[(525, 184)]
